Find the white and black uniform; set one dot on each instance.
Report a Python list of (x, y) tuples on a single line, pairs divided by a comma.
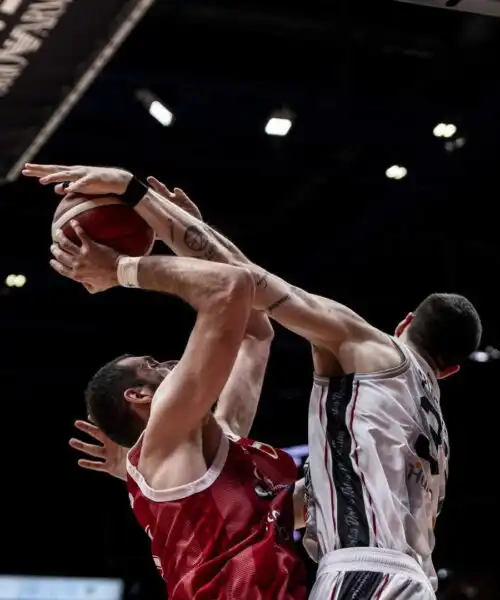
[(376, 475)]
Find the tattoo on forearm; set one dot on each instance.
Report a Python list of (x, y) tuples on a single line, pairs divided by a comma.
[(279, 302), (195, 239), (210, 252), (199, 242), (262, 281)]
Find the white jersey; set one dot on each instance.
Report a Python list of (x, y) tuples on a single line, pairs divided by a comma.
[(378, 461)]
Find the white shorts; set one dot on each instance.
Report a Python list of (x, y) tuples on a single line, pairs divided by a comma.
[(370, 574)]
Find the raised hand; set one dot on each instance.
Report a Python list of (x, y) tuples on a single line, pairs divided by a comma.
[(92, 264), (112, 457), (80, 179), (178, 197)]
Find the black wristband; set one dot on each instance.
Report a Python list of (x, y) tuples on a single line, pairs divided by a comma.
[(135, 192)]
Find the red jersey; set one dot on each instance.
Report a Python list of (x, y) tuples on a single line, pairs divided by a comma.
[(228, 535)]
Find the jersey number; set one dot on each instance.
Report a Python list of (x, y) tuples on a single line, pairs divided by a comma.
[(423, 444)]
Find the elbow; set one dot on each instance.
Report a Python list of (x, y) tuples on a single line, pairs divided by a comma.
[(242, 285), (238, 288)]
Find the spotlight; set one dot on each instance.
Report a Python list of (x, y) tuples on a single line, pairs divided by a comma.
[(17, 281), (279, 123), (396, 172), (487, 355), (445, 130), (161, 113), (155, 107)]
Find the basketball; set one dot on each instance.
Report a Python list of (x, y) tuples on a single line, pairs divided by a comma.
[(107, 221)]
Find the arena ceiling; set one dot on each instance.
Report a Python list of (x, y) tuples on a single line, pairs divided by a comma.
[(367, 83)]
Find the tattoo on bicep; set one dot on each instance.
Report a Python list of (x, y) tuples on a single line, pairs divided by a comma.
[(279, 302), (262, 281)]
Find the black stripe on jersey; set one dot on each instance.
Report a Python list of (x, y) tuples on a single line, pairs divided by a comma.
[(352, 521), (359, 585)]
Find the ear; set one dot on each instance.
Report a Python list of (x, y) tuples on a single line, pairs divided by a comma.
[(404, 324), (448, 372), (138, 395)]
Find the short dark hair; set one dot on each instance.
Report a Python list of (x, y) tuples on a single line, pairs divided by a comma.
[(107, 406), (446, 328)]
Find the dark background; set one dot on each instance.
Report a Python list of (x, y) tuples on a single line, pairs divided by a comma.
[(368, 81)]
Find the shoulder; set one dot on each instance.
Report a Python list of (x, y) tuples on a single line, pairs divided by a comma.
[(166, 485), (375, 351), (188, 461), (364, 349)]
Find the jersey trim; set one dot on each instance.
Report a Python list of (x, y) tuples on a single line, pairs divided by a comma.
[(189, 489), (352, 515), (393, 371), (386, 373)]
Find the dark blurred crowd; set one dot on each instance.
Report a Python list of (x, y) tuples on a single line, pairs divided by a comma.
[(474, 587)]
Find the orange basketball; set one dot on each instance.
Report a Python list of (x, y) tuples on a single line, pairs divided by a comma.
[(106, 220)]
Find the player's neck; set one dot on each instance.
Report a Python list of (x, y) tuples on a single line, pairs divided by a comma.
[(405, 339)]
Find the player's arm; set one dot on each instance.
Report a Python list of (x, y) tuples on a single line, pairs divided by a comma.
[(222, 296), (324, 322), (182, 200), (299, 504), (174, 218), (175, 226), (240, 397)]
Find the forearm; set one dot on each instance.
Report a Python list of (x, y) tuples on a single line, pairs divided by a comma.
[(236, 253), (239, 400), (188, 236), (321, 321), (183, 233), (197, 282)]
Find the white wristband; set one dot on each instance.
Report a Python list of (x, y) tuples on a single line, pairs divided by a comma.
[(127, 271)]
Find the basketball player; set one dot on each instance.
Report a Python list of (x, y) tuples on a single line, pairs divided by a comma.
[(218, 509), (378, 444), (237, 404)]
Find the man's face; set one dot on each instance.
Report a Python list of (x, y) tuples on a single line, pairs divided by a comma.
[(149, 370)]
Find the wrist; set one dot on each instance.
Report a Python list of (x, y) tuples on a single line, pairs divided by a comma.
[(134, 192), (113, 271), (127, 271)]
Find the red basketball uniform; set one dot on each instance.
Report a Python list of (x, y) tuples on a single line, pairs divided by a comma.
[(228, 535)]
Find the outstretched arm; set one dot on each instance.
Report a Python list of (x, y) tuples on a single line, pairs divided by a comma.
[(324, 322), (240, 397), (175, 218), (184, 398)]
